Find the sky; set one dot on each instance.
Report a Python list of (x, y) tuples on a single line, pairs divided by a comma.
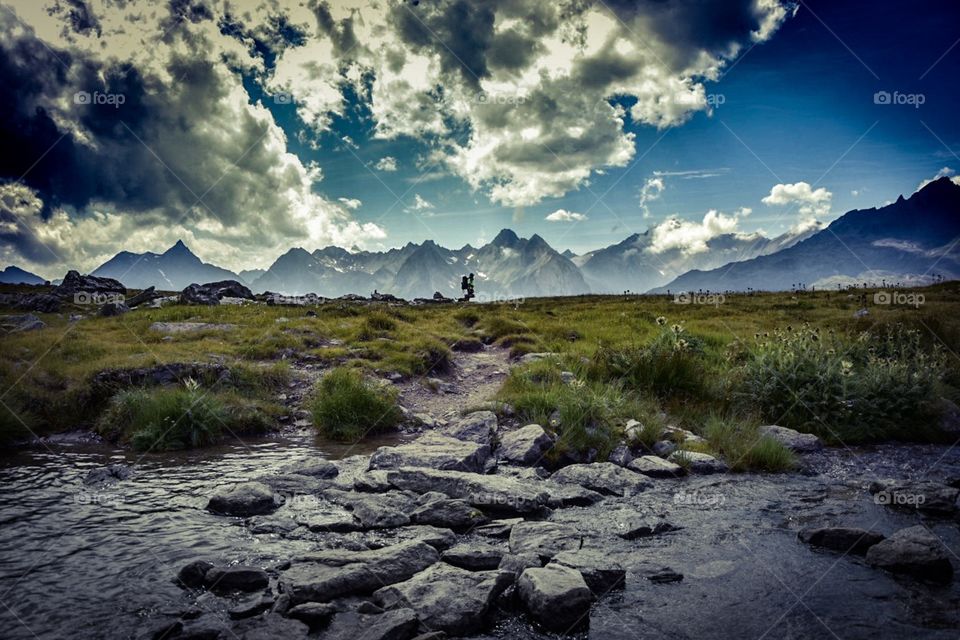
[(246, 128)]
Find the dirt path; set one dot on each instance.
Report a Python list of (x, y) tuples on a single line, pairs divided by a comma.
[(475, 378)]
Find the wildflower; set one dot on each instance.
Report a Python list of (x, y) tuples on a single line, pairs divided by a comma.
[(661, 320), (846, 367), (677, 329)]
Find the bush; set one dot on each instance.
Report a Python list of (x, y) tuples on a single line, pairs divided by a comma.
[(744, 449), (496, 327), (672, 364), (165, 419), (346, 407), (379, 321), (867, 388)]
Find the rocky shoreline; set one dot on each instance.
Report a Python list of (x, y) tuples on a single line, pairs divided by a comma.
[(447, 534)]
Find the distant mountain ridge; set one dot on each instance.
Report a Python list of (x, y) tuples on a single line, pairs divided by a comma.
[(907, 241), (16, 275), (900, 242)]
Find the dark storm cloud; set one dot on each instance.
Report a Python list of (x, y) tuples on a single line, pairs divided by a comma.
[(342, 35)]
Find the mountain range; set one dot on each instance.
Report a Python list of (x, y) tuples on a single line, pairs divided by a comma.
[(907, 241)]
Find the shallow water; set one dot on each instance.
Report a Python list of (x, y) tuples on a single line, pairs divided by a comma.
[(82, 562)]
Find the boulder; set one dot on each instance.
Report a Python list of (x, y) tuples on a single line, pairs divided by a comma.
[(517, 563), (194, 575), (236, 578), (479, 426), (601, 574), (375, 510), (914, 551), (473, 557), (452, 514), (252, 606), (112, 309), (663, 448), (655, 467), (108, 474), (316, 468), (437, 537), (189, 327), (212, 292), (325, 575), (244, 499), (528, 358), (268, 627), (488, 492), (21, 323), (641, 528), (73, 284), (146, 295), (497, 528), (328, 520), (399, 624), (433, 451), (546, 539), (620, 456), (843, 539), (697, 462), (792, 439), (447, 598), (312, 614), (922, 495), (557, 597), (603, 477), (562, 496), (527, 445)]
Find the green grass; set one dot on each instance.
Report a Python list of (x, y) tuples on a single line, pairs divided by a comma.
[(346, 407), (744, 449)]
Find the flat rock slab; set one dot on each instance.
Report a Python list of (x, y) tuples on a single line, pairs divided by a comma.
[(697, 462), (189, 327), (375, 510), (323, 576), (792, 439), (433, 451), (842, 539), (557, 597), (603, 477), (490, 492), (526, 445), (545, 539), (473, 557), (236, 578), (447, 598), (244, 499), (915, 551), (601, 574), (922, 495), (655, 467), (399, 624), (268, 627), (454, 514)]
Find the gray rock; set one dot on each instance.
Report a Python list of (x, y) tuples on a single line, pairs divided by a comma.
[(526, 445), (433, 451), (843, 539), (325, 575), (620, 456), (315, 468), (603, 477), (915, 551), (244, 499), (268, 627), (479, 427), (641, 528), (473, 557), (294, 485), (448, 598), (663, 448), (372, 482), (250, 607), (546, 539), (698, 462), (21, 323), (236, 578), (490, 492), (792, 439), (112, 309), (527, 358), (497, 528), (399, 624), (328, 520), (922, 495), (562, 496), (517, 563), (189, 327), (556, 597), (207, 627), (452, 514), (194, 575), (312, 614), (601, 574), (375, 510), (212, 292), (437, 537), (108, 474), (655, 467)]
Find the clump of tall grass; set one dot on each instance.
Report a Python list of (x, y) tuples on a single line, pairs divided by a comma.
[(346, 407), (671, 364), (744, 449), (867, 387)]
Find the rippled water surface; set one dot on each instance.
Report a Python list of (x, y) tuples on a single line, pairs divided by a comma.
[(83, 562)]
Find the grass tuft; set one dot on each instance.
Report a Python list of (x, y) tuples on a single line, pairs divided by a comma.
[(346, 407)]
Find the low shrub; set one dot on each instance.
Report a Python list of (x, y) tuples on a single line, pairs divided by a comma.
[(346, 407), (744, 449)]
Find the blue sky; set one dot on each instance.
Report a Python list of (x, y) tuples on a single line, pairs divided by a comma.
[(252, 127), (797, 108)]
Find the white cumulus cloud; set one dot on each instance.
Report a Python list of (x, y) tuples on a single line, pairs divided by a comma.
[(562, 215)]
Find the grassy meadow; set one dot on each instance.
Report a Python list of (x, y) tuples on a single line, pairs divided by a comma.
[(804, 360)]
